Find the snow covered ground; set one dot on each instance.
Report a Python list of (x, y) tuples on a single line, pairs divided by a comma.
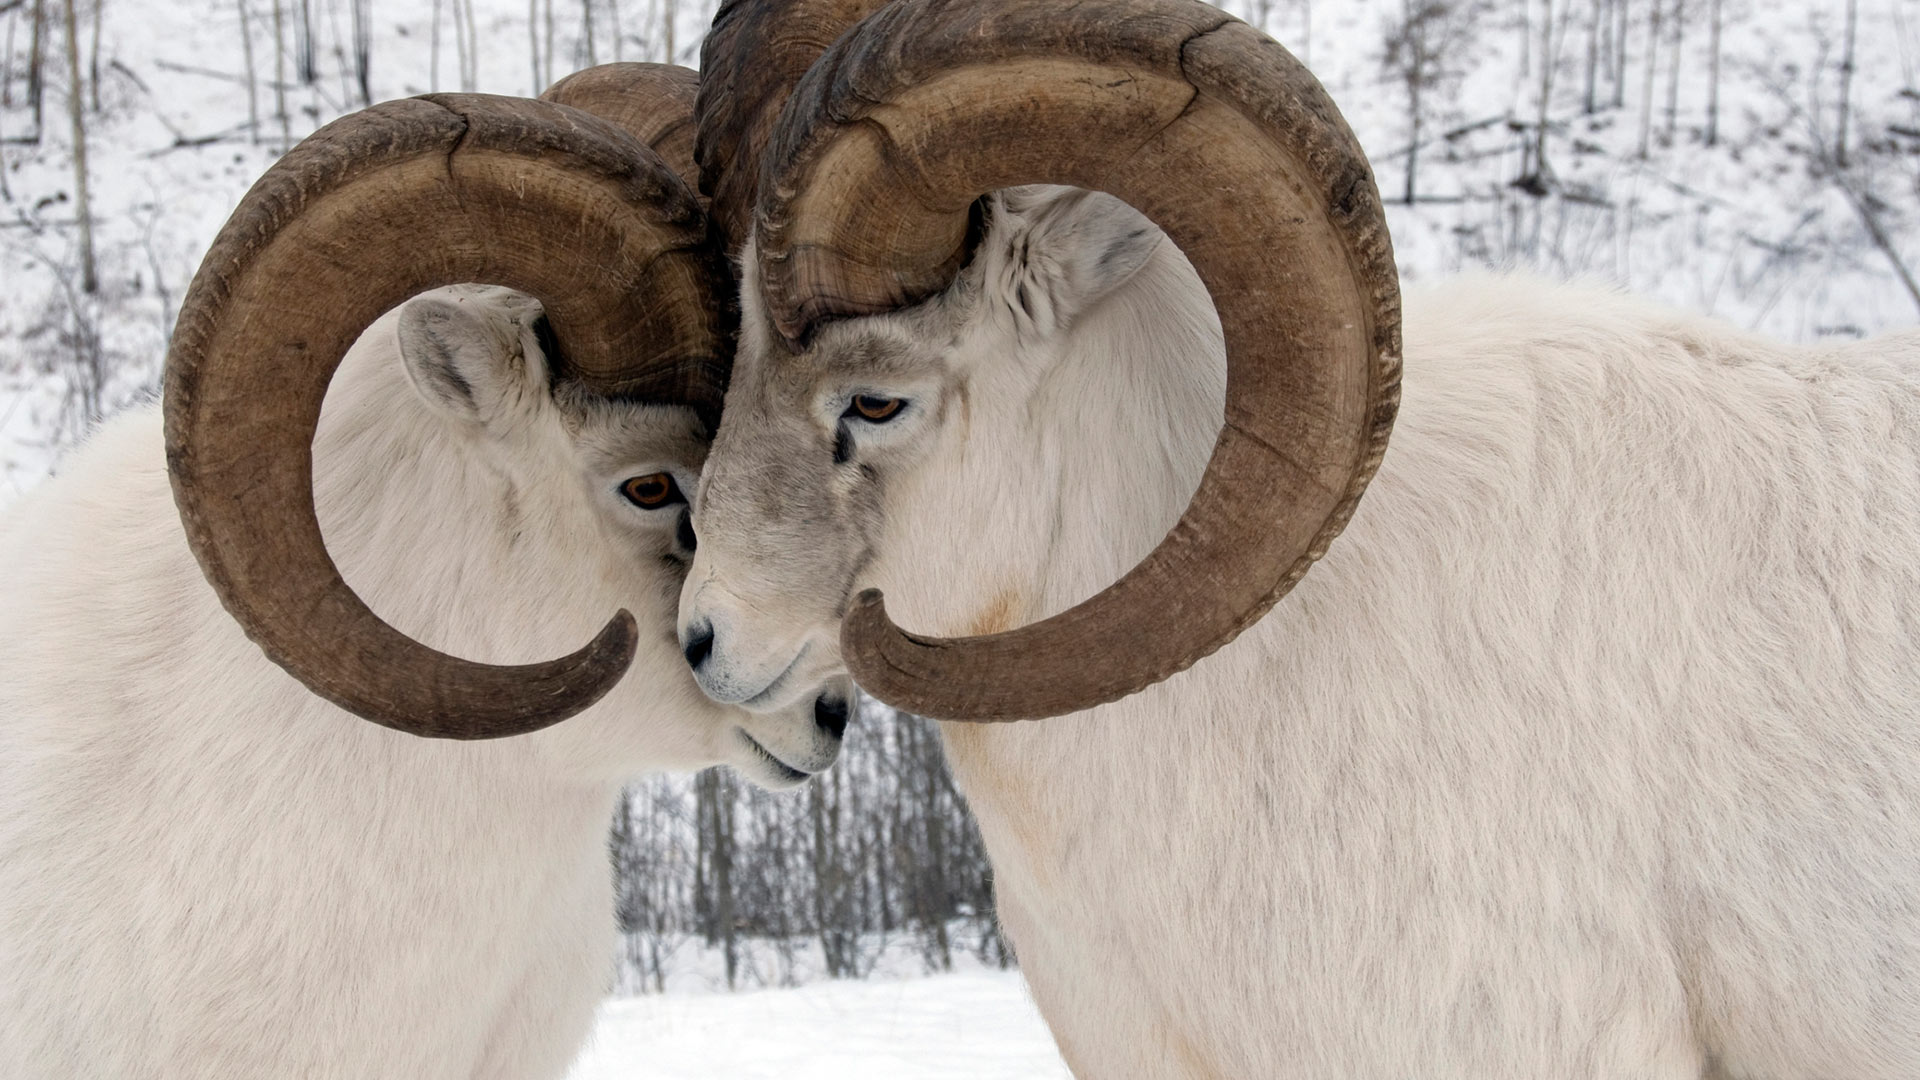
[(978, 1025)]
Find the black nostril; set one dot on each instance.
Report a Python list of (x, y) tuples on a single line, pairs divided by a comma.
[(831, 715), (699, 645)]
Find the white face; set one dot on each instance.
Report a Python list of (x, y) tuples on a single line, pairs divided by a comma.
[(622, 538), (918, 452)]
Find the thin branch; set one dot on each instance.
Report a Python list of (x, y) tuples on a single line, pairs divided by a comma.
[(1870, 218)]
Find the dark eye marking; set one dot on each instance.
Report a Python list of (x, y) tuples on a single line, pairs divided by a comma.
[(652, 491)]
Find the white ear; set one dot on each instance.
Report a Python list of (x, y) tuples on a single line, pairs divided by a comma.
[(1056, 251), (465, 351)]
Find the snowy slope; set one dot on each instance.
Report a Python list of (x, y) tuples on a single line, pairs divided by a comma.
[(975, 1026)]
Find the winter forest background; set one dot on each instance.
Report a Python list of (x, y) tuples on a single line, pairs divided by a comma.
[(1756, 159)]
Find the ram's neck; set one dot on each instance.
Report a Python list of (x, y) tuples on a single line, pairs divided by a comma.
[(1130, 414), (1136, 404), (417, 513)]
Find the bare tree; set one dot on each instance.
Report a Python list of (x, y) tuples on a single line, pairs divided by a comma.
[(306, 58), (586, 23), (363, 49), (89, 277), (1852, 181), (460, 42), (6, 62), (280, 75), (1424, 49), (533, 40), (93, 57), (36, 71), (6, 101), (74, 350), (1620, 53), (1595, 17), (880, 844), (831, 892), (1846, 86), (1537, 177), (1526, 38), (470, 74), (1678, 21), (1869, 210), (1713, 74), (253, 89), (1646, 89), (718, 788)]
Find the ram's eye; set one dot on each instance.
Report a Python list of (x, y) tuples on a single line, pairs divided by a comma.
[(652, 491), (877, 410)]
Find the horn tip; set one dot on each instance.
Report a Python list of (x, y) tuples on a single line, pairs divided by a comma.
[(614, 646), (864, 627)]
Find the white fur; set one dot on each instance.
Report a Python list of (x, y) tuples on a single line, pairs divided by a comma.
[(206, 872), (1592, 748)]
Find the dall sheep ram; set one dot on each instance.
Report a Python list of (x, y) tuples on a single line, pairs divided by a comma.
[(1591, 748), (209, 873)]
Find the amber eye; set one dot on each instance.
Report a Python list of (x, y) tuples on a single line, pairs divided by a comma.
[(651, 491), (875, 409)]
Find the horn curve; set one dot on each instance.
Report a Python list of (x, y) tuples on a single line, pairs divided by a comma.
[(651, 102), (368, 211), (1226, 142), (753, 55)]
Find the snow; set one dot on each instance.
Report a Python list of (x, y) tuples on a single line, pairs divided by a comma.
[(970, 1026)]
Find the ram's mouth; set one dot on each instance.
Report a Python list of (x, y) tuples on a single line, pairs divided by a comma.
[(766, 694), (780, 769)]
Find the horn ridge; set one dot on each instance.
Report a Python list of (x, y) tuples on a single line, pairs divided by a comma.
[(753, 55), (651, 102)]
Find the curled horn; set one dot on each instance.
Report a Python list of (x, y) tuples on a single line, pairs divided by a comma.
[(367, 212), (651, 102), (1223, 139), (754, 54)]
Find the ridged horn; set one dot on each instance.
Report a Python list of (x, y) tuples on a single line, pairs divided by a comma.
[(367, 212), (754, 54), (1225, 141), (651, 102)]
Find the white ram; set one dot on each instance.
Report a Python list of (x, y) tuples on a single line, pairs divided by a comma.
[(208, 872), (1591, 748)]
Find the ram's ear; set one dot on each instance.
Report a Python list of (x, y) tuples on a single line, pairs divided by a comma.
[(1053, 252), (465, 351)]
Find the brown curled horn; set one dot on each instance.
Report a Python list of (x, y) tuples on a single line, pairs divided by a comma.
[(654, 104), (1222, 138), (369, 211), (753, 55), (651, 102)]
